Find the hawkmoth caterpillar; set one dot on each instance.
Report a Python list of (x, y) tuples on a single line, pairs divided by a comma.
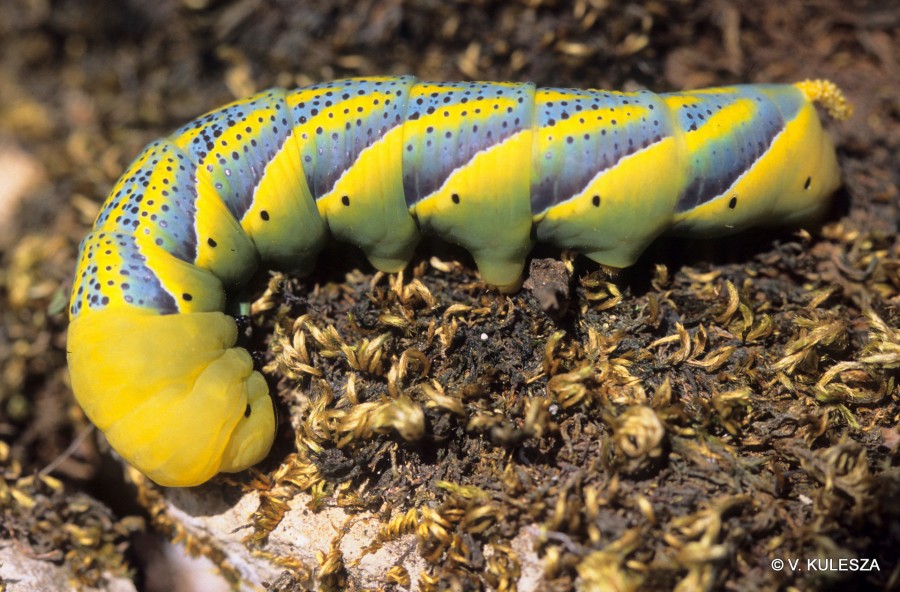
[(377, 162)]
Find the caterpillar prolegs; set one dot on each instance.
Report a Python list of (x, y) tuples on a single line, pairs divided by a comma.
[(377, 162)]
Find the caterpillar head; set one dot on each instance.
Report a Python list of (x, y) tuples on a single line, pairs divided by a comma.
[(171, 393)]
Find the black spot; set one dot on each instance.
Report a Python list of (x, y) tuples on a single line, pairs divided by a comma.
[(596, 201), (733, 203), (808, 181), (264, 215), (187, 297), (455, 198), (248, 411), (345, 200), (211, 242)]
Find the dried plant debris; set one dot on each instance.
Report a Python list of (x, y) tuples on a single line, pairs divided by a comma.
[(44, 521), (397, 391), (680, 425)]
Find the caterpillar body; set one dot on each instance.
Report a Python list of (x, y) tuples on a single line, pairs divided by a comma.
[(377, 162)]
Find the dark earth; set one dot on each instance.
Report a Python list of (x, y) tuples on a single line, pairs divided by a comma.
[(680, 424)]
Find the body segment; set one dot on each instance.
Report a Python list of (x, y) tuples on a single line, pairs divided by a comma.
[(378, 162)]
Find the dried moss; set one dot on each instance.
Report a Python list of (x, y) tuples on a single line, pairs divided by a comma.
[(508, 422), (73, 530)]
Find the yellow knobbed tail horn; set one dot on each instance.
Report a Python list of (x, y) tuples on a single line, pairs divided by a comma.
[(827, 94)]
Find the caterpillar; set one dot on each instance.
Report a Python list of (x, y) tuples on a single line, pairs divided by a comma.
[(378, 162)]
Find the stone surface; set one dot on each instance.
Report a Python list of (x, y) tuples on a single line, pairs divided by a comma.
[(24, 573)]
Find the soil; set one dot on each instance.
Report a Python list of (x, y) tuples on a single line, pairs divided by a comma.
[(719, 405)]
